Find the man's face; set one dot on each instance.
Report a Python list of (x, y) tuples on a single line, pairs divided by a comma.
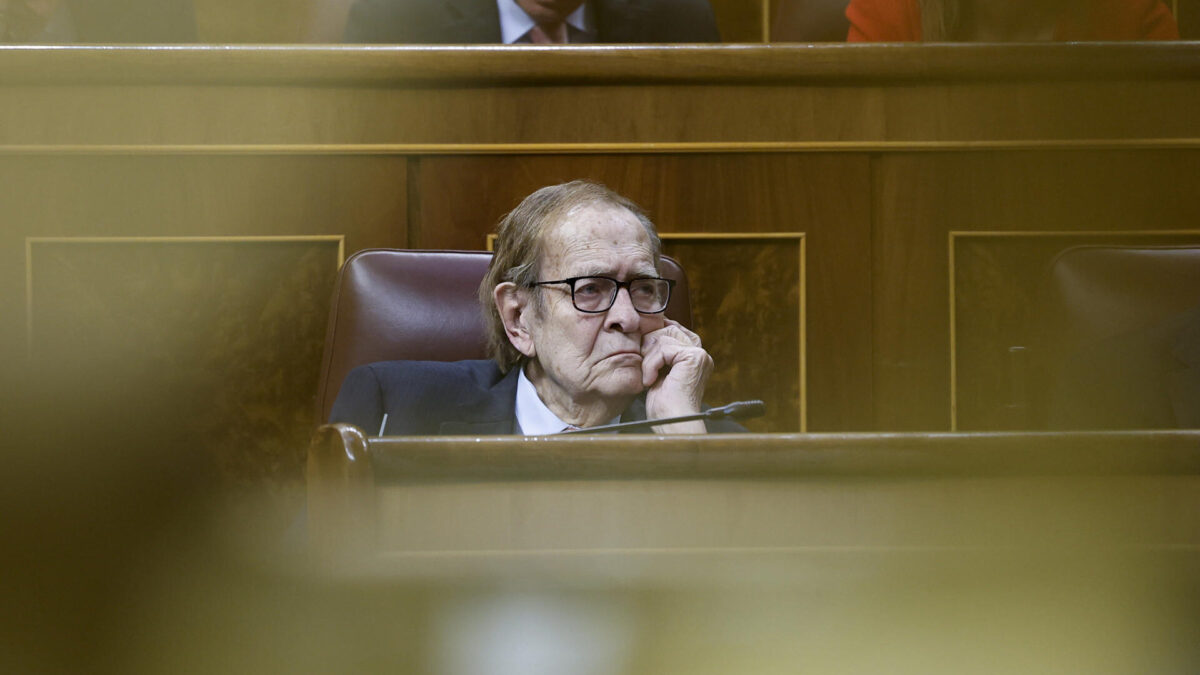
[(549, 11), (585, 357)]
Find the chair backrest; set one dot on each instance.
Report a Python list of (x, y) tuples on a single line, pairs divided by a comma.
[(419, 305), (1101, 291)]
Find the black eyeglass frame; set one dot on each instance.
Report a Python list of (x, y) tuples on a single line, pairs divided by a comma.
[(627, 285)]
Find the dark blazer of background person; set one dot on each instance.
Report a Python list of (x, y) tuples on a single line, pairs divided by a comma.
[(133, 21), (431, 398), (478, 21), (1144, 379)]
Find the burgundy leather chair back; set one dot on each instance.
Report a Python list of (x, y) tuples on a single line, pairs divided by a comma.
[(1101, 291), (419, 305)]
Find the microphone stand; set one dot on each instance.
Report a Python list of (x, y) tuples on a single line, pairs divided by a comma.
[(739, 410)]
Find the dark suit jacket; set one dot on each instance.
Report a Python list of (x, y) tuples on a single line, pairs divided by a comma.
[(478, 21), (435, 398), (1145, 379)]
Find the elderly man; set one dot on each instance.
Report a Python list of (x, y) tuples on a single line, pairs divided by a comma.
[(530, 21), (574, 306)]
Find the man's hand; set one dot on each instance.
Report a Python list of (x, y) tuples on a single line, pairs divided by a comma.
[(675, 369)]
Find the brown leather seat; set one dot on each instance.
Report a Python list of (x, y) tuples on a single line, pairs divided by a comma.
[(1119, 331), (419, 305)]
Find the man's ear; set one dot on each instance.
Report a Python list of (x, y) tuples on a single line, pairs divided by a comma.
[(516, 312)]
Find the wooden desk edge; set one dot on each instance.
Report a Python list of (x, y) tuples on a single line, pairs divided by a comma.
[(489, 65), (748, 456)]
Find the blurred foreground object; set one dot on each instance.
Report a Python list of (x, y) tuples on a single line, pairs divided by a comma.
[(905, 553)]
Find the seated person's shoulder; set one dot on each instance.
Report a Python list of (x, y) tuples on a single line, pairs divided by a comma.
[(416, 389)]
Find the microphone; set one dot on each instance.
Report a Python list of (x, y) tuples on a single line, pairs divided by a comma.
[(738, 410)]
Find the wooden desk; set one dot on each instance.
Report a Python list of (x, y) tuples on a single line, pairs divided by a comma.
[(421, 501), (847, 553)]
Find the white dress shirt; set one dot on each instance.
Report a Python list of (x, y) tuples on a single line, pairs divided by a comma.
[(515, 24), (533, 417)]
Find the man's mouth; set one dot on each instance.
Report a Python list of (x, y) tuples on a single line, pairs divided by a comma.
[(629, 354)]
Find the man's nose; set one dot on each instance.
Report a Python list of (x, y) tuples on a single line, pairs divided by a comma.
[(622, 316)]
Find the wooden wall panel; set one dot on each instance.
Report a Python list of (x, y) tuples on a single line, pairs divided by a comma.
[(118, 194), (922, 198), (746, 294), (822, 196), (843, 96), (541, 118), (740, 20), (841, 270), (910, 326), (229, 331), (101, 194), (462, 198), (132, 193)]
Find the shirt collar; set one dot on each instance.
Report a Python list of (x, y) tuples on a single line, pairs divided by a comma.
[(515, 23), (533, 417)]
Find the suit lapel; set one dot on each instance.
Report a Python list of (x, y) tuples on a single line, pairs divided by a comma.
[(489, 412)]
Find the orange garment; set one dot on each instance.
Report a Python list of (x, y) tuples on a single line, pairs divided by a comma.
[(900, 21)]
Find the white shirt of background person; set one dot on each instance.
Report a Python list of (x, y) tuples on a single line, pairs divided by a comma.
[(515, 23)]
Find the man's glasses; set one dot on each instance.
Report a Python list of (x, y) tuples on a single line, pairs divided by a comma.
[(596, 295)]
